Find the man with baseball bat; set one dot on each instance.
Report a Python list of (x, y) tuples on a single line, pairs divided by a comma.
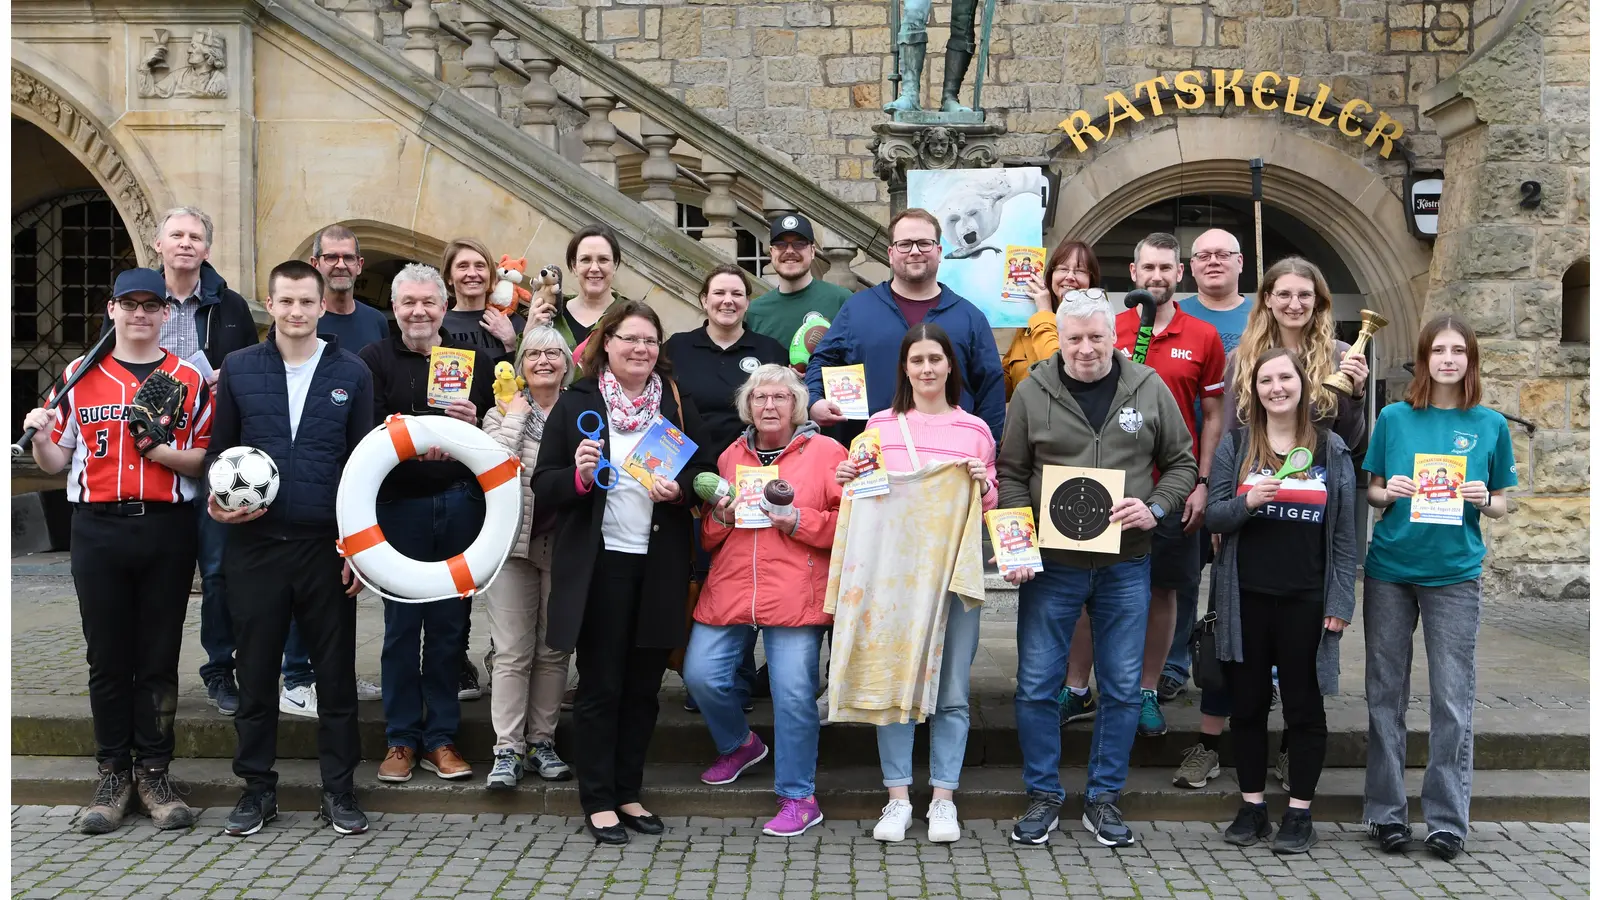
[(133, 425)]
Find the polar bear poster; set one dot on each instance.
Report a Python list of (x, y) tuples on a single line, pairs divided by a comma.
[(980, 213)]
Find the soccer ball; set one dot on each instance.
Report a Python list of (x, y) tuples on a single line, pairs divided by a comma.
[(243, 478)]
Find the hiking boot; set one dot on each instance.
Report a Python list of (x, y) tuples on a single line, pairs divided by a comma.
[(729, 766), (1151, 722), (546, 763), (254, 809), (1198, 767), (892, 822), (1043, 815), (1295, 833), (158, 794), (112, 803), (1104, 820), (446, 763), (1168, 688), (1280, 769), (299, 701), (794, 817), (1075, 706), (1249, 826), (944, 826), (340, 811), (1392, 838), (223, 692), (507, 770), (397, 764), (1444, 844), (470, 689)]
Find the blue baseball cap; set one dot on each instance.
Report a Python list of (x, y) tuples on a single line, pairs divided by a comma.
[(134, 281)]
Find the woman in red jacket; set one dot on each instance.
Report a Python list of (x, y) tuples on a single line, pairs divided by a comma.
[(773, 577)]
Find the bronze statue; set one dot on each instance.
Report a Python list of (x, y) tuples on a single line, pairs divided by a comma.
[(911, 46)]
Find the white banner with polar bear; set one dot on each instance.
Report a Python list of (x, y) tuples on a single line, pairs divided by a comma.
[(981, 212)]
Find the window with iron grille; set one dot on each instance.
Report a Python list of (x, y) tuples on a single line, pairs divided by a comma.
[(65, 252), (752, 251)]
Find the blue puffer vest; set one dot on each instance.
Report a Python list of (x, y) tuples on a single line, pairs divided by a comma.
[(337, 414)]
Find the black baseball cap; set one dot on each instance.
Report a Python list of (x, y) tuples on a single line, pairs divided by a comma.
[(134, 281), (793, 223)]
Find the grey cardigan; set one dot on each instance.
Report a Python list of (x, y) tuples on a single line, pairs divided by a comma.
[(1226, 514)]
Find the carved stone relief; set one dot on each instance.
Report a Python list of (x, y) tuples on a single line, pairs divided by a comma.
[(204, 73)]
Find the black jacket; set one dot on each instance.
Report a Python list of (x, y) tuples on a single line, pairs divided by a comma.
[(578, 539), (252, 410), (710, 375), (223, 320), (400, 385)]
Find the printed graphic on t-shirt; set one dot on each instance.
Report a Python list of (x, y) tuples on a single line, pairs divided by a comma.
[(1299, 499)]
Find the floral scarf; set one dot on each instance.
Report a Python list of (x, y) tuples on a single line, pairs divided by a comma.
[(628, 416), (533, 426)]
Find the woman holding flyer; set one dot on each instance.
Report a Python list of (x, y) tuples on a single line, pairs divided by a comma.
[(1283, 502), (769, 571), (621, 554), (1426, 560), (1072, 267), (528, 677), (926, 425)]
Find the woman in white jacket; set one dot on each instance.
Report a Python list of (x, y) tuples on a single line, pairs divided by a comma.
[(528, 677)]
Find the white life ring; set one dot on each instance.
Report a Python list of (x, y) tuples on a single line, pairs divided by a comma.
[(386, 570)]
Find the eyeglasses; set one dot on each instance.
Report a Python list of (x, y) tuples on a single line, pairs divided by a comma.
[(1071, 270), (550, 353), (333, 259), (635, 341), (1206, 256), (923, 245), (790, 246), (781, 399), (150, 306), (1095, 294), (1308, 297)]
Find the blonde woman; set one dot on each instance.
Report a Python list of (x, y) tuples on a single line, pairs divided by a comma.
[(528, 677)]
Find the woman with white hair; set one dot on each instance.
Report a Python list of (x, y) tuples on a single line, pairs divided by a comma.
[(773, 578), (528, 677)]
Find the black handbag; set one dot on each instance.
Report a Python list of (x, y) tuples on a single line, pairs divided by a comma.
[(1208, 672)]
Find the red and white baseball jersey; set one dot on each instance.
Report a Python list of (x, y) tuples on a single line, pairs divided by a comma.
[(1188, 356), (91, 423)]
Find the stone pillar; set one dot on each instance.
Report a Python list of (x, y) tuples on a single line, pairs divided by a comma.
[(538, 95), (479, 58), (900, 147), (421, 25), (598, 133), (720, 206), (658, 170)]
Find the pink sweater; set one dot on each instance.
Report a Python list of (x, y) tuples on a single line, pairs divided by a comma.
[(947, 437)]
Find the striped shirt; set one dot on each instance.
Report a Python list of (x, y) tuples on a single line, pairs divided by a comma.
[(948, 437)]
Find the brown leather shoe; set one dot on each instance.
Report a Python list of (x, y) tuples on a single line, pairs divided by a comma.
[(112, 803), (397, 765), (160, 799), (446, 763)]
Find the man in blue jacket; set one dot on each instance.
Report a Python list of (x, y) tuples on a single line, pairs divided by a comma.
[(870, 326), (306, 403)]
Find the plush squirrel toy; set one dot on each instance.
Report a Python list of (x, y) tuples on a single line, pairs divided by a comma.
[(506, 384), (509, 294)]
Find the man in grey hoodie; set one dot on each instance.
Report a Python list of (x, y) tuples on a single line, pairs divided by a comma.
[(1086, 406)]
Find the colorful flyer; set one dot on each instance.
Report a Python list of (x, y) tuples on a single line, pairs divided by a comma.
[(749, 483), (866, 454), (450, 376), (1438, 497), (1022, 263), (847, 386), (1016, 543), (661, 453)]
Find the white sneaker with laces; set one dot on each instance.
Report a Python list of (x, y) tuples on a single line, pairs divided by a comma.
[(892, 824), (367, 690), (943, 825), (299, 701)]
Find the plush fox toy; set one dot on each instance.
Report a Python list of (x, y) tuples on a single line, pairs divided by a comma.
[(509, 294)]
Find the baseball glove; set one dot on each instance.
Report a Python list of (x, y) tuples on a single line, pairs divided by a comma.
[(154, 411)]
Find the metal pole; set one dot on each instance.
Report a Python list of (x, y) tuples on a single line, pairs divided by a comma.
[(1256, 167), (894, 49)]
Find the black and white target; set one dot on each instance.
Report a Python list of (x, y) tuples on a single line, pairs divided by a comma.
[(1080, 509)]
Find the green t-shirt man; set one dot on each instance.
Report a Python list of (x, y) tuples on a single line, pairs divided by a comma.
[(782, 316)]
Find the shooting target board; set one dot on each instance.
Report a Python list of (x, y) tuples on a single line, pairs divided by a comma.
[(1075, 509)]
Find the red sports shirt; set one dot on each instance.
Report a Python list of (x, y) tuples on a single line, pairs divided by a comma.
[(1188, 356), (105, 467)]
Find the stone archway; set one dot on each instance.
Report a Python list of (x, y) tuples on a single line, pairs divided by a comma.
[(1348, 205), (379, 237)]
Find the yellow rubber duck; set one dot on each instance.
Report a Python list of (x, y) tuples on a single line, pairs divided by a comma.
[(506, 383)]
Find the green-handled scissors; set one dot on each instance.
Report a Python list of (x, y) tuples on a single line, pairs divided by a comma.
[(1298, 460)]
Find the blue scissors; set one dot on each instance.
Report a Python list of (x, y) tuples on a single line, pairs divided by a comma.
[(604, 465)]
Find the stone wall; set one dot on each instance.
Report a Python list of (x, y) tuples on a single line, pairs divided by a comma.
[(1519, 112)]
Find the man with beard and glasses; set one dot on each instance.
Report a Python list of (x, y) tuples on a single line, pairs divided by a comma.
[(802, 300)]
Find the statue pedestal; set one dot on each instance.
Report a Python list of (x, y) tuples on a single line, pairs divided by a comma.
[(902, 146)]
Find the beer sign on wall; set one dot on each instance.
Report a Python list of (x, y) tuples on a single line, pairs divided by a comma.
[(1424, 190)]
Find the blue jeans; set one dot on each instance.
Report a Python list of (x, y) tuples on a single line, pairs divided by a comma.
[(1118, 597), (1178, 661), (709, 670), (744, 684), (216, 626), (947, 727), (420, 705)]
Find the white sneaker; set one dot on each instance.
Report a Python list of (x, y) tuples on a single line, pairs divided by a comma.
[(943, 826), (822, 709), (892, 824), (299, 701), (367, 690)]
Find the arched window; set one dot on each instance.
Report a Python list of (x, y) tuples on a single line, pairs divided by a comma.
[(1575, 303)]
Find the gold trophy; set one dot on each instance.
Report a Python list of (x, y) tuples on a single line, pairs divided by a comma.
[(1370, 323)]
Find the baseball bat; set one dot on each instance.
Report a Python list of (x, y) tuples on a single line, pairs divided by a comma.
[(90, 360), (1146, 302)]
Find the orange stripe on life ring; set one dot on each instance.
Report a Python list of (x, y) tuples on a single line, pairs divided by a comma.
[(500, 474), (461, 574), (365, 539), (404, 447)]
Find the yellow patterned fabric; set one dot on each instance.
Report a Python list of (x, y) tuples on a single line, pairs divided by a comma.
[(895, 558)]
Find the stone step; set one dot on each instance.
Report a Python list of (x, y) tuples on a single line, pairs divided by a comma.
[(1512, 739), (845, 792)]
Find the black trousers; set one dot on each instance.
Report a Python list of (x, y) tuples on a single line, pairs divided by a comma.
[(614, 713), (1282, 631), (269, 581), (132, 576)]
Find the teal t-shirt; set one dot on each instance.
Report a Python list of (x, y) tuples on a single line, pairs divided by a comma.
[(1229, 325), (1407, 552), (778, 315)]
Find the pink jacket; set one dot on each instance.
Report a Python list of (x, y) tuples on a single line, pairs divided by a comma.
[(760, 576)]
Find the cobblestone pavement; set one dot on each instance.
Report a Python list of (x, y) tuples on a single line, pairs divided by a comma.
[(493, 856)]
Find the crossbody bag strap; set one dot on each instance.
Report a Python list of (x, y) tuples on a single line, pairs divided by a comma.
[(911, 448)]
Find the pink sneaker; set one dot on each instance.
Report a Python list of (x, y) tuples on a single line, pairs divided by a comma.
[(730, 766), (794, 817)]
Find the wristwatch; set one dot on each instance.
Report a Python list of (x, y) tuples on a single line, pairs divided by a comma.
[(1157, 511), (1202, 480)]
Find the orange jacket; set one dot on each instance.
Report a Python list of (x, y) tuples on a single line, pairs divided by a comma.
[(760, 576), (1037, 341)]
